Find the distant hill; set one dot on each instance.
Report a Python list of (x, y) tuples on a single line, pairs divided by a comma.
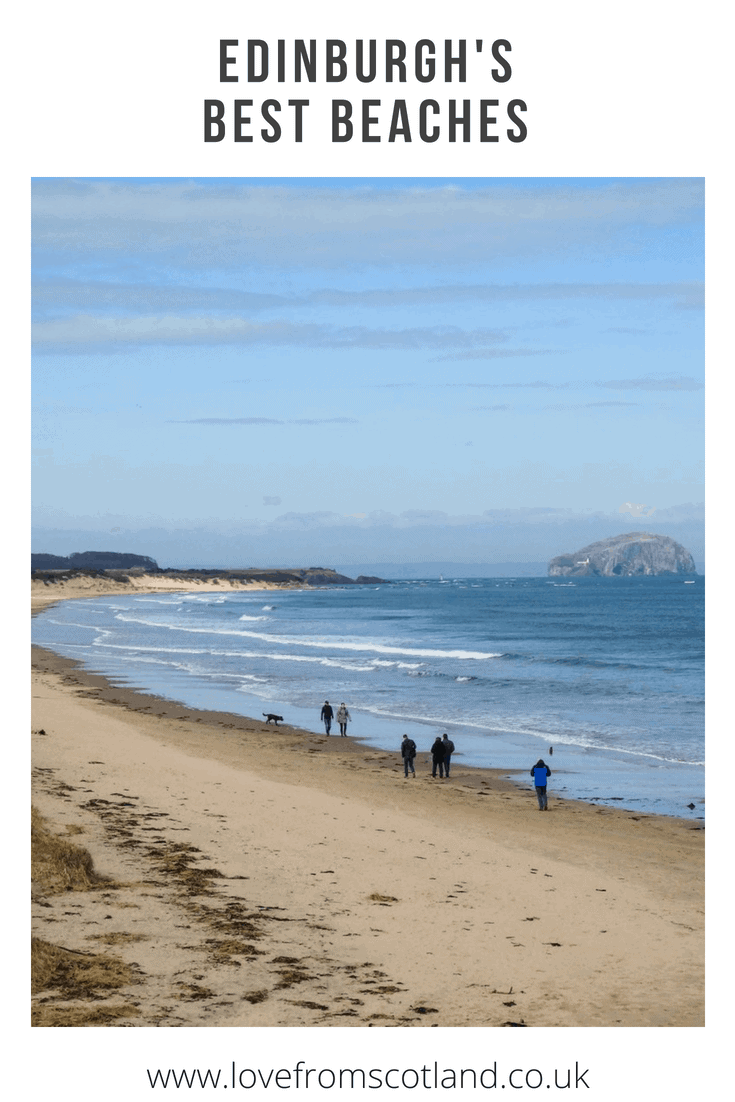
[(622, 556), (94, 560)]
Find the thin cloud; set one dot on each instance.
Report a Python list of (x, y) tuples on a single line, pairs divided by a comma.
[(93, 333), (682, 294), (396, 224), (103, 294)]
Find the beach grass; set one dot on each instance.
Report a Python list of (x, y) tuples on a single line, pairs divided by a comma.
[(65, 975), (58, 865)]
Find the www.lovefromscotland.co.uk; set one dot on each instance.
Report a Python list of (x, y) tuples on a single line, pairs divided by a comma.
[(430, 1077)]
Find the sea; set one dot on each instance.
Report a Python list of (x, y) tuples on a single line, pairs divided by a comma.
[(601, 677)]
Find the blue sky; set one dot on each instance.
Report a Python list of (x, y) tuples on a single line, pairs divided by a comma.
[(244, 355)]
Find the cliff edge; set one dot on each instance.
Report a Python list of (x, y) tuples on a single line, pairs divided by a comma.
[(631, 554)]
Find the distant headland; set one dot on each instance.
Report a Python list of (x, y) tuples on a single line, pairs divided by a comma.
[(120, 565), (631, 554)]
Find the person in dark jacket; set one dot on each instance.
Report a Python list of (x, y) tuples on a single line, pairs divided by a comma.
[(327, 716), (408, 753), (448, 751), (437, 757), (540, 771)]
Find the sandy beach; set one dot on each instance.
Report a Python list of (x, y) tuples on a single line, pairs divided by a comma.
[(252, 875)]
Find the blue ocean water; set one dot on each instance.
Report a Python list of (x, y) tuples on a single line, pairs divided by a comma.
[(607, 671)]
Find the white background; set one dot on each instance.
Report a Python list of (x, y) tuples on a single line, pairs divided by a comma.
[(630, 89), (622, 90)]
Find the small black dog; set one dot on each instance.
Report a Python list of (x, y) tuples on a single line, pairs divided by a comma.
[(271, 716)]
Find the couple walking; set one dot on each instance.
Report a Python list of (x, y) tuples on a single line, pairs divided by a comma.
[(343, 718), (441, 753)]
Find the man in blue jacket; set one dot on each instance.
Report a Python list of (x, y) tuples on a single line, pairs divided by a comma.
[(540, 772)]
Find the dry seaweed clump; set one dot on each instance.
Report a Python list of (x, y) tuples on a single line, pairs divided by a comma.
[(58, 865), (177, 861), (256, 996)]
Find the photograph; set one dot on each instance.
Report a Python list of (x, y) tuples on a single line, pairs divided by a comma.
[(368, 524)]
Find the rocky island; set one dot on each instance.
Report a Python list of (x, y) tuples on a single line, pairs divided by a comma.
[(631, 554)]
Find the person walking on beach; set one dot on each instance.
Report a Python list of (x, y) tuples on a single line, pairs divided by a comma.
[(327, 715), (448, 751), (408, 753), (437, 757), (540, 771), (343, 717)]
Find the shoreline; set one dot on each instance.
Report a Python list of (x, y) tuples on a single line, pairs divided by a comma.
[(581, 773), (272, 876), (98, 687), (143, 702)]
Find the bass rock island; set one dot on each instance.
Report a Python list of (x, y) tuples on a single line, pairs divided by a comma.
[(627, 555)]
